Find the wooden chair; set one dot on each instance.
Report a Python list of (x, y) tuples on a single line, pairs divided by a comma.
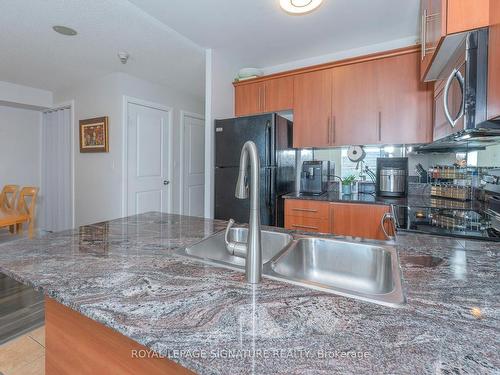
[(26, 205), (8, 199)]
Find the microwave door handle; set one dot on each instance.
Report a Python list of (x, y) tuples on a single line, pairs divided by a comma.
[(454, 74)]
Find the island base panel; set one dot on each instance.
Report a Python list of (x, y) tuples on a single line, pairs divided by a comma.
[(76, 344)]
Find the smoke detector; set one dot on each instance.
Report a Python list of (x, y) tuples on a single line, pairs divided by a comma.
[(123, 56)]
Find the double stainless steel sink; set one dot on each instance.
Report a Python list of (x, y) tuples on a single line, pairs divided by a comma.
[(358, 269)]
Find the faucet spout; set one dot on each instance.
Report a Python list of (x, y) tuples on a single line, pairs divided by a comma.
[(253, 248)]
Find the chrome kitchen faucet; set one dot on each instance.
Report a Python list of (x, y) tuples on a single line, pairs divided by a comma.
[(252, 250)]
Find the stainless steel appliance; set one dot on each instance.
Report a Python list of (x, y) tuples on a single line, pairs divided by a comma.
[(460, 108), (392, 177), (312, 177), (467, 222), (272, 135)]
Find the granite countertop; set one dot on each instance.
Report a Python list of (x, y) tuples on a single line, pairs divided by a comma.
[(409, 201), (123, 274), (350, 198)]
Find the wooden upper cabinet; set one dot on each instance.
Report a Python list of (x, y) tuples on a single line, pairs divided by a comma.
[(354, 105), (278, 94), (494, 61), (312, 102), (374, 99), (248, 99), (268, 96), (404, 102), (440, 18), (432, 30)]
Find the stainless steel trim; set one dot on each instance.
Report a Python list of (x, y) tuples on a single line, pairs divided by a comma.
[(454, 74)]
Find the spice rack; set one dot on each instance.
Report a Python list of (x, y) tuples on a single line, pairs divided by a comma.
[(452, 182)]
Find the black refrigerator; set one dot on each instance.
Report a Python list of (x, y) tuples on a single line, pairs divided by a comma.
[(273, 136)]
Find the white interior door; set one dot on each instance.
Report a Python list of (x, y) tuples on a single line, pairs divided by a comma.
[(148, 159), (193, 189)]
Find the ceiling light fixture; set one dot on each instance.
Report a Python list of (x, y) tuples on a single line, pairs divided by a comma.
[(64, 30), (299, 6)]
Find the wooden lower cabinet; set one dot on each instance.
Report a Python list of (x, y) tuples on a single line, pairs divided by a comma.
[(358, 220), (75, 344), (343, 219), (307, 216), (307, 224)]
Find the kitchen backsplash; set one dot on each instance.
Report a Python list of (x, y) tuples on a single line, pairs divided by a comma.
[(342, 166)]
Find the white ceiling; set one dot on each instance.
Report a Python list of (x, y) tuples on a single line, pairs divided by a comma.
[(260, 34), (32, 54), (166, 38)]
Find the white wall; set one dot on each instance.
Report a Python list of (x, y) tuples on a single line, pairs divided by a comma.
[(24, 96), (221, 70), (20, 141), (99, 176)]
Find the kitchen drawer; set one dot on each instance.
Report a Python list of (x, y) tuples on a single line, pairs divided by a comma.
[(307, 224), (306, 208)]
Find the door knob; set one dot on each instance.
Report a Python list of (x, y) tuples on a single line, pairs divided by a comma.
[(166, 182)]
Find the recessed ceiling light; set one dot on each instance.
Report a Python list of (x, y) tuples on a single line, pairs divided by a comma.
[(64, 30), (300, 6)]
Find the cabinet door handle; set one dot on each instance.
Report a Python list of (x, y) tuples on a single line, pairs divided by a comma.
[(333, 130), (265, 98), (304, 209), (259, 103), (454, 74), (379, 126), (329, 130), (386, 216), (423, 33), (304, 226)]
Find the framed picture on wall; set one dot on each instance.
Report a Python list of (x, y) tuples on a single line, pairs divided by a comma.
[(94, 135)]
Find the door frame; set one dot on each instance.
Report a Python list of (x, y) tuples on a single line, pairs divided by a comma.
[(185, 114), (126, 100), (71, 105)]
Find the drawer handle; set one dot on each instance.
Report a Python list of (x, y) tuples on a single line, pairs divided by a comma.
[(304, 209), (304, 226)]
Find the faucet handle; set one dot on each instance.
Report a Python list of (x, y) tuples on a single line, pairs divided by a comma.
[(226, 235), (238, 249)]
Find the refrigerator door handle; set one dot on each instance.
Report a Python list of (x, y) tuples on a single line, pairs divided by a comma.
[(268, 185), (270, 189), (268, 141)]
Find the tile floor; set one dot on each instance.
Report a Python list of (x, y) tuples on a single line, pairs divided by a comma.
[(25, 355)]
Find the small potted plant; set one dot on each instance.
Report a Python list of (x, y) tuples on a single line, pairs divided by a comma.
[(347, 184)]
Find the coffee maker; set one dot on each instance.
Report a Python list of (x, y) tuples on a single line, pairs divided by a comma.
[(313, 177)]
